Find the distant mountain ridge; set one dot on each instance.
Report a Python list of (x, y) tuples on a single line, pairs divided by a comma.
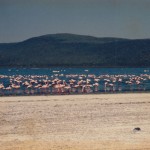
[(70, 50), (74, 38)]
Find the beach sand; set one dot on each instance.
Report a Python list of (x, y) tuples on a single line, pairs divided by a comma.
[(75, 122)]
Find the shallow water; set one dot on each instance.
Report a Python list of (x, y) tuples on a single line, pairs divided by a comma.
[(103, 74), (96, 71)]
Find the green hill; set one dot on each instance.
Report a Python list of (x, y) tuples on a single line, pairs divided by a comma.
[(71, 50)]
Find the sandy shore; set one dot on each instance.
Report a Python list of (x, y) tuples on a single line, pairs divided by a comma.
[(75, 122)]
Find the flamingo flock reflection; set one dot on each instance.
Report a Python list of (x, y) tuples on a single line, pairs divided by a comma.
[(71, 84)]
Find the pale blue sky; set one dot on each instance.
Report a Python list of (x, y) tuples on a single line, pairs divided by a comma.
[(22, 19)]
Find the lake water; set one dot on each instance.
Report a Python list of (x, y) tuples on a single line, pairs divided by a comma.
[(108, 79), (96, 71)]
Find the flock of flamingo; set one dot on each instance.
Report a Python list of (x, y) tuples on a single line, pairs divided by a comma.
[(71, 83)]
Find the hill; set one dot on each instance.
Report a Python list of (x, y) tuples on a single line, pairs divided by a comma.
[(69, 50)]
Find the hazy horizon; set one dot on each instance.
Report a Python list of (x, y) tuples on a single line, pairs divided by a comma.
[(21, 19), (69, 33)]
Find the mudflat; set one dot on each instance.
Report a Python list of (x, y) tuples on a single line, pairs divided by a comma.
[(75, 122)]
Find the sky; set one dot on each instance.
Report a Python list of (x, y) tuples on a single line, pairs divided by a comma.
[(23, 19)]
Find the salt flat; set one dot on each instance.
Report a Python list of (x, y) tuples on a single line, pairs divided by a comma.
[(75, 122)]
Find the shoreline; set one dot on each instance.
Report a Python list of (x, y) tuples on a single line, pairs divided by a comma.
[(100, 98), (72, 94), (75, 122)]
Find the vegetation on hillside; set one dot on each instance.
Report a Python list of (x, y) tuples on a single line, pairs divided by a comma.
[(71, 50)]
